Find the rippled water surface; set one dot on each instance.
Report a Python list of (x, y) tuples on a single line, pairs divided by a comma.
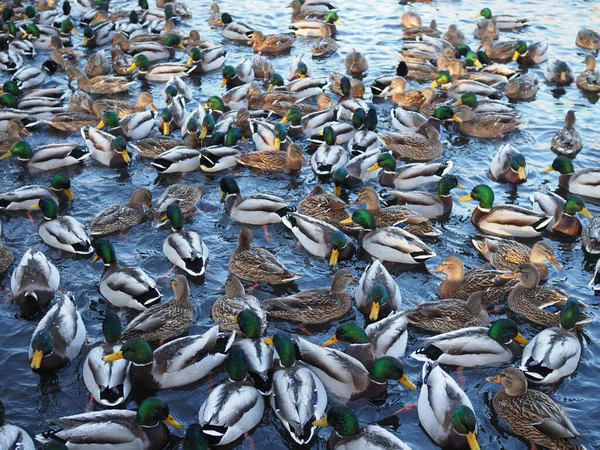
[(372, 27)]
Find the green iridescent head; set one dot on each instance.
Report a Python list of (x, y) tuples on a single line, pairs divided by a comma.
[(563, 165), (32, 30), (42, 345), (49, 207), (358, 118), (569, 315), (520, 49), (389, 368), (441, 78), (505, 331), (345, 86), (152, 411), (445, 113), (517, 164), (195, 55), (136, 350), (66, 27), (233, 136), (172, 41), (370, 122), (285, 349), (342, 419), (193, 127), (61, 182), (275, 81), (30, 12), (293, 116), (21, 150), (175, 216), (486, 13), (105, 251), (215, 103), (302, 69), (133, 17), (111, 327), (208, 126), (111, 119), (8, 100), (228, 187), (377, 297), (363, 218), (464, 423), (385, 161), (462, 50), (88, 33), (472, 59), (349, 332), (237, 366), (329, 135), (481, 193), (575, 204), (194, 438), (447, 183), (11, 87), (229, 73), (249, 323), (468, 99), (7, 13), (332, 17)]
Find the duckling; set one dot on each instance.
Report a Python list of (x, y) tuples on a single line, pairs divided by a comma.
[(559, 72), (584, 182), (119, 218), (564, 213), (587, 38), (356, 63), (271, 44), (567, 141), (508, 166), (225, 309), (589, 79)]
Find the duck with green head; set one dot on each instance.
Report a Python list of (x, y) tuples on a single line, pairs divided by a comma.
[(503, 22), (559, 72), (408, 176), (508, 166), (472, 59), (47, 157), (218, 157), (504, 220), (26, 197), (194, 439), (442, 77), (13, 436), (446, 113), (207, 59), (564, 213), (584, 182), (329, 156)]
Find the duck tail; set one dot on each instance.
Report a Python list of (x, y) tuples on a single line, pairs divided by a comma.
[(285, 210), (429, 353)]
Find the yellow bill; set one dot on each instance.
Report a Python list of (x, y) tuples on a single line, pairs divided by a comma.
[(516, 56), (203, 132), (224, 82), (170, 420), (321, 422), (126, 156), (521, 340), (333, 258), (270, 88), (374, 314), (347, 221), (331, 341), (521, 173), (478, 63), (114, 356), (472, 440), (8, 154), (96, 258), (277, 143), (586, 213), (190, 61), (339, 22), (456, 119), (36, 360), (268, 341), (374, 167), (549, 169), (406, 382), (223, 195), (434, 84), (284, 120), (131, 68), (338, 190), (100, 125), (457, 103), (69, 194), (466, 198), (166, 128)]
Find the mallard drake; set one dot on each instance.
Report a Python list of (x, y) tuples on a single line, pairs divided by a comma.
[(524, 410), (508, 165), (567, 141), (123, 108), (122, 286), (108, 382), (12, 435), (504, 220), (532, 54), (242, 73), (535, 302), (554, 352), (504, 22), (14, 128), (134, 126), (474, 346), (99, 35), (460, 284), (119, 218), (329, 156), (98, 85), (445, 411), (507, 254), (226, 308), (589, 79), (158, 72), (590, 236), (236, 31), (257, 264), (407, 121), (369, 294), (564, 213), (584, 182), (271, 44), (389, 243), (387, 337), (298, 397), (118, 429), (348, 434), (180, 159), (29, 77), (10, 59), (26, 197), (47, 157), (255, 209), (428, 204), (587, 38), (58, 338), (315, 27), (34, 282), (106, 148), (274, 160), (314, 306), (184, 249), (356, 63), (356, 170), (170, 365), (206, 60), (409, 176), (522, 87), (234, 407), (186, 196), (559, 72), (267, 136), (416, 146)]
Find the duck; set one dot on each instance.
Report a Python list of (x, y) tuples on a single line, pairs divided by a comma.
[(415, 146), (180, 159), (300, 13), (298, 397), (588, 39), (591, 235), (553, 353), (567, 141), (504, 220), (170, 365), (226, 308), (564, 213), (236, 76), (356, 63), (496, 344), (327, 207), (508, 254), (522, 87), (347, 432), (118, 429), (184, 249), (134, 126), (102, 85), (158, 72), (532, 54), (47, 157), (559, 72), (524, 409), (14, 128), (34, 282), (329, 156), (234, 407), (215, 158), (508, 166), (12, 435), (346, 87), (186, 196), (386, 85), (314, 306), (584, 182), (501, 52), (108, 382), (271, 44), (504, 22), (409, 176), (119, 218), (97, 65), (324, 26), (71, 121), (428, 204), (206, 60), (174, 317), (99, 35), (26, 197), (105, 148), (445, 411), (7, 257), (255, 209), (377, 283), (123, 286), (123, 108), (386, 337), (390, 243), (274, 160), (58, 337), (152, 147), (422, 30), (234, 30), (454, 35), (154, 51), (258, 264)]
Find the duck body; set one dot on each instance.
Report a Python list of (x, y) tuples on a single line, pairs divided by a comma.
[(232, 303), (121, 217), (187, 251), (35, 281), (99, 144), (395, 245), (510, 220), (56, 156), (255, 209), (370, 436), (108, 382), (128, 287), (180, 159), (66, 233), (377, 273), (186, 196)]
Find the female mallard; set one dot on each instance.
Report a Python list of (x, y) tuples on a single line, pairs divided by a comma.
[(504, 22), (117, 429), (485, 125), (234, 407), (559, 72), (504, 220), (445, 411), (26, 197), (416, 146), (123, 108), (554, 352), (356, 63), (120, 218), (158, 72), (408, 176), (590, 237), (387, 337), (271, 44), (587, 38), (584, 182), (327, 207), (97, 65), (298, 397), (170, 365), (64, 232), (122, 286), (422, 30), (14, 128), (389, 243), (535, 302), (58, 338), (12, 435), (429, 204), (460, 284), (299, 13), (105, 148), (532, 414), (186, 196), (508, 254), (226, 308), (274, 160), (474, 346), (7, 257), (154, 51), (165, 320), (567, 141), (99, 85), (184, 249), (108, 382), (564, 213), (255, 209), (314, 306), (257, 264), (377, 294), (508, 166), (522, 87), (47, 157), (348, 434)]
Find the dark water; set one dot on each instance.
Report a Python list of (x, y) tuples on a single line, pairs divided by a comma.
[(372, 28)]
